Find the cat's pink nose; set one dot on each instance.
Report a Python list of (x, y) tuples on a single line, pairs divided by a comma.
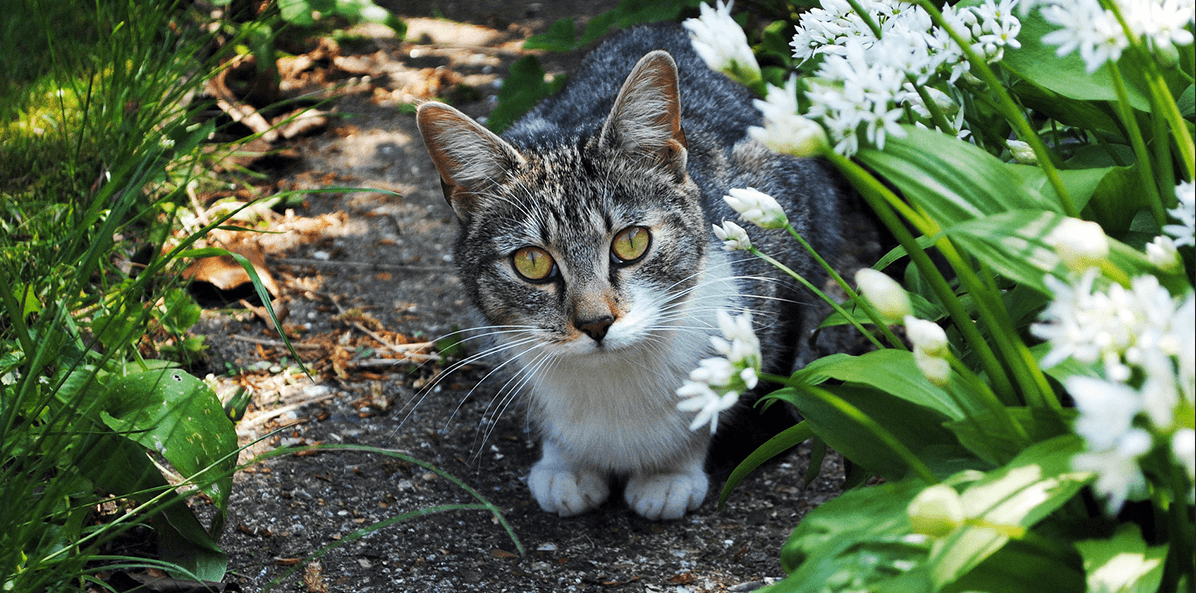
[(595, 328)]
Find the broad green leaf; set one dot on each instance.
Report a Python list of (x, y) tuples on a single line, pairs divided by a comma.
[(121, 468), (981, 433), (839, 540), (1094, 116), (1040, 64), (1108, 195), (1013, 244), (914, 426), (185, 423), (1012, 498), (952, 181), (1123, 563), (891, 371), (1187, 103), (1018, 567)]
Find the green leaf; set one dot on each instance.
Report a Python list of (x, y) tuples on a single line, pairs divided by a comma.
[(183, 421), (982, 434), (1019, 567), (1108, 195), (952, 181), (914, 426), (787, 439), (836, 540), (1039, 64), (1124, 563), (1187, 102), (891, 371), (1014, 244), (1009, 500), (121, 468)]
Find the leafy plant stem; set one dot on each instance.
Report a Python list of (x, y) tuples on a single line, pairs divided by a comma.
[(1021, 364), (915, 464), (851, 294), (936, 114), (875, 194), (1009, 109), (1144, 166), (822, 295)]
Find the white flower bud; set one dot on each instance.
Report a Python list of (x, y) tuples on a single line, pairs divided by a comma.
[(1022, 153), (1079, 243), (733, 236), (884, 293), (926, 336), (757, 208)]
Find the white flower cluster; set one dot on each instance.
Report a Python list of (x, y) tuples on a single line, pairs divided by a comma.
[(718, 382), (862, 86), (1145, 341), (1099, 36)]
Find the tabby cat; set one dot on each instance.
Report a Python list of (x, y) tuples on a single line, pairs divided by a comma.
[(585, 243)]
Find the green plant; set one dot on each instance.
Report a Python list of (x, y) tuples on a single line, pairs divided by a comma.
[(99, 139), (1037, 432)]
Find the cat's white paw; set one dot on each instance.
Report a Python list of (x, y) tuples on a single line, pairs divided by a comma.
[(566, 491), (666, 496)]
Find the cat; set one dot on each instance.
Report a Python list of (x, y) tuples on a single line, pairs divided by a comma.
[(585, 244)]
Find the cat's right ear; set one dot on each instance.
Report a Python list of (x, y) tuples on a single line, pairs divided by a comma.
[(469, 157)]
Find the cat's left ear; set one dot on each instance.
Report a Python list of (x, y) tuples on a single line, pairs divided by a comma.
[(470, 158), (645, 121)]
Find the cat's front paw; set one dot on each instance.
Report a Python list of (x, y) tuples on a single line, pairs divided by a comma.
[(667, 495), (566, 491)]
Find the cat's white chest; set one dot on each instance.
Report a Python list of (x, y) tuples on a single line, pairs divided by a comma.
[(615, 407)]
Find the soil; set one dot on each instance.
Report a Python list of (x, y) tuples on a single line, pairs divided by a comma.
[(364, 279)]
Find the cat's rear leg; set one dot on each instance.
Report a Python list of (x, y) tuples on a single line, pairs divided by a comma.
[(668, 495), (563, 488)]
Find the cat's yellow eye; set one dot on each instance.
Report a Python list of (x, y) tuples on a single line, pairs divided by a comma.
[(630, 244), (533, 264)]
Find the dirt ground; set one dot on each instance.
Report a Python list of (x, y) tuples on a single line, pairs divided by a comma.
[(366, 280)]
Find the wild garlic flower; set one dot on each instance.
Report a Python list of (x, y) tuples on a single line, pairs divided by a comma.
[(858, 88), (1163, 254), (884, 294), (1145, 342), (733, 236), (721, 42), (718, 382), (784, 130), (1185, 213), (1095, 31), (853, 94), (1081, 244), (757, 208), (1117, 327), (1118, 475)]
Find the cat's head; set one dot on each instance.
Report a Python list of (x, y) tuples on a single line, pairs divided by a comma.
[(584, 245)]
